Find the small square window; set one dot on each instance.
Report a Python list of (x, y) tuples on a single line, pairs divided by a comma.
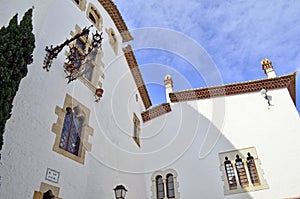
[(81, 4), (94, 16)]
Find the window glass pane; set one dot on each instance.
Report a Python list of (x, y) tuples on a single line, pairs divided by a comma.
[(91, 16), (93, 54), (88, 71), (71, 132), (170, 186), (80, 44), (243, 180), (252, 170), (230, 174), (160, 187)]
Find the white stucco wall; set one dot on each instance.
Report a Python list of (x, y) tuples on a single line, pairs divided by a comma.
[(247, 122), (188, 139), (27, 152)]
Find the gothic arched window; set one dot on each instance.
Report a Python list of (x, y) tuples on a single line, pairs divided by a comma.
[(71, 132), (160, 187), (241, 171), (170, 186), (230, 174), (252, 170), (240, 168)]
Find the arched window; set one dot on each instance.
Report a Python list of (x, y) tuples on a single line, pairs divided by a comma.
[(230, 174), (170, 186), (165, 185), (71, 132), (252, 170), (160, 187), (48, 195), (240, 168)]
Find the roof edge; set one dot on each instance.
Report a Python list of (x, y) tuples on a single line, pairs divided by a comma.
[(286, 81), (156, 112), (117, 18), (137, 76)]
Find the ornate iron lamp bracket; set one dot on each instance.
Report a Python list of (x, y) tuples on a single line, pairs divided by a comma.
[(52, 53)]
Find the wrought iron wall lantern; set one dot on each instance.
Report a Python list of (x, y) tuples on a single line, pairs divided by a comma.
[(74, 65)]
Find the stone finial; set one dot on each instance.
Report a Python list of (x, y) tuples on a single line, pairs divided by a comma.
[(168, 81), (268, 68)]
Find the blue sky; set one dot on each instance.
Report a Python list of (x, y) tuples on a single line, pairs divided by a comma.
[(236, 34)]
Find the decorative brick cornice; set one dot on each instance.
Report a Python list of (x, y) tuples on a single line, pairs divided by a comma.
[(287, 81), (156, 111), (115, 15), (135, 71)]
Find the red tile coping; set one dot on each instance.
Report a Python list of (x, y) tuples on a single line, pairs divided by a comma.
[(135, 71), (115, 15), (287, 81), (156, 111)]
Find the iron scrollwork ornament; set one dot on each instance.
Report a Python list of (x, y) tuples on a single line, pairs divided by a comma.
[(75, 59)]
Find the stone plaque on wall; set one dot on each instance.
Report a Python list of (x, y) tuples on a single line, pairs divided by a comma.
[(52, 175)]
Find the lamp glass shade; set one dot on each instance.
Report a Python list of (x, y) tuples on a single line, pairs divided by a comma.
[(120, 192), (263, 91)]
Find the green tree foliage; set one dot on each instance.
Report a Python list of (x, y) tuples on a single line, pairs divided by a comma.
[(16, 48)]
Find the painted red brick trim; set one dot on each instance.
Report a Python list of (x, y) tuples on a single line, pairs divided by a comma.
[(156, 111), (135, 71), (287, 81), (115, 15)]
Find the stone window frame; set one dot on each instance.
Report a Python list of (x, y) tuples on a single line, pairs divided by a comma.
[(44, 187), (92, 10), (136, 129), (242, 153), (81, 4), (96, 63), (112, 39), (86, 129), (164, 175)]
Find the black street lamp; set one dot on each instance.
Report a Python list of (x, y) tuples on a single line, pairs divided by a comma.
[(120, 192)]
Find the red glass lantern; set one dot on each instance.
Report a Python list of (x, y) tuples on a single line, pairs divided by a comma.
[(98, 94)]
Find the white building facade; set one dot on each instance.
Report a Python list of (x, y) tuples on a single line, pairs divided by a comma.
[(227, 141)]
